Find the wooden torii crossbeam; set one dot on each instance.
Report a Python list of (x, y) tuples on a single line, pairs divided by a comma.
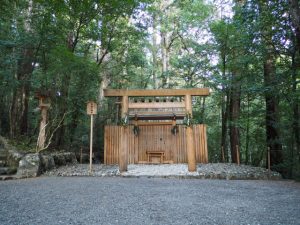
[(186, 93), (156, 92)]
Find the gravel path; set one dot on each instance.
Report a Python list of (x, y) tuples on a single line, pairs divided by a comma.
[(116, 200), (226, 171)]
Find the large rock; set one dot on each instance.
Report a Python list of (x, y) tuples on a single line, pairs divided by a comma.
[(9, 154), (30, 165), (14, 157), (47, 162)]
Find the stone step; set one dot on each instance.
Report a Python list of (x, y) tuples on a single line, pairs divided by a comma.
[(7, 171), (3, 170), (8, 177)]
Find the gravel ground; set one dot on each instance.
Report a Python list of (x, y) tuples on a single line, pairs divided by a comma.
[(117, 200), (211, 170)]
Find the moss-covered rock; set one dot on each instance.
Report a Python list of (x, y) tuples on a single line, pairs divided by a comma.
[(30, 165)]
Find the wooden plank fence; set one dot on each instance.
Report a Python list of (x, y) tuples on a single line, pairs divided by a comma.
[(154, 138)]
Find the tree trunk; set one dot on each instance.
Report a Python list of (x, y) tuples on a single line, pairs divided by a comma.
[(295, 18), (296, 115), (235, 99), (154, 54), (19, 107), (225, 112), (165, 59), (165, 43), (247, 158), (225, 109), (271, 91), (20, 100), (272, 119)]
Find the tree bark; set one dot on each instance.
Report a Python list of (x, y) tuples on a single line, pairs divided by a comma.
[(235, 99), (271, 91), (247, 158), (225, 106), (154, 54), (19, 107), (165, 59), (272, 118), (225, 113), (165, 44), (295, 18)]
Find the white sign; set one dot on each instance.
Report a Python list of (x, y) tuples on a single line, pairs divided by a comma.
[(91, 108)]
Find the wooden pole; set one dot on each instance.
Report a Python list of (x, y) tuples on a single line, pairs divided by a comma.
[(191, 152), (269, 160), (223, 154), (237, 154), (123, 154), (91, 144), (42, 134)]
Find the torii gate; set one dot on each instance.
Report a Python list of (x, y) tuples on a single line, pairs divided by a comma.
[(157, 115)]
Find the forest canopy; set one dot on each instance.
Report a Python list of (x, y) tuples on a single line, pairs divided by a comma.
[(246, 51)]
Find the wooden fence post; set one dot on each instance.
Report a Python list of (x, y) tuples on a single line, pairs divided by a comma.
[(237, 154), (91, 109), (223, 154), (91, 145), (269, 160)]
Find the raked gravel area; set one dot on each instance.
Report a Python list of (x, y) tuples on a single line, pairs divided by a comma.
[(204, 171), (116, 200)]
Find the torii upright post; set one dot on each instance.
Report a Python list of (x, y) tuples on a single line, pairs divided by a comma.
[(191, 153), (123, 154)]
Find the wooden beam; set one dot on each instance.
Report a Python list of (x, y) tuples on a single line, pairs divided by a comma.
[(155, 105), (153, 123), (157, 92), (156, 113), (160, 117)]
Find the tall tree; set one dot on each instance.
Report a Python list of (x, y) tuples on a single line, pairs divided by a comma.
[(271, 84), (24, 68), (295, 19)]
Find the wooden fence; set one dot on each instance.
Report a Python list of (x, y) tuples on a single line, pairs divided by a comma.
[(154, 138)]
